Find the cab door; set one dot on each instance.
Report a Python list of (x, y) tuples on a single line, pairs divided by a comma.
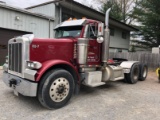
[(94, 48)]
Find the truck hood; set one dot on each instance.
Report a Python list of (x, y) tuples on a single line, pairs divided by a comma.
[(42, 50)]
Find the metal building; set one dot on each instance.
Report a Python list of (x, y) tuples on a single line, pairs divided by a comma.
[(15, 22)]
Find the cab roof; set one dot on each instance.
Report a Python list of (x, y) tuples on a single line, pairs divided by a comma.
[(80, 22)]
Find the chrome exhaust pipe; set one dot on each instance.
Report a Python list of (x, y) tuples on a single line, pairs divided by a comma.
[(105, 45), (107, 18)]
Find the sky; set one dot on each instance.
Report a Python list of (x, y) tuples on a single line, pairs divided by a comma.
[(27, 3)]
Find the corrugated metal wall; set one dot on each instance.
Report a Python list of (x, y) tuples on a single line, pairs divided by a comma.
[(48, 9), (20, 21), (13, 20)]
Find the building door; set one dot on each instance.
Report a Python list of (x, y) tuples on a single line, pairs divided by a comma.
[(5, 35)]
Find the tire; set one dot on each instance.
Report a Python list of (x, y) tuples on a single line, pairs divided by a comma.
[(56, 89), (125, 78), (132, 77), (143, 72)]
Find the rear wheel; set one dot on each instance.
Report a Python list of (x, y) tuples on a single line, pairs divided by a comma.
[(143, 72), (56, 88), (132, 77)]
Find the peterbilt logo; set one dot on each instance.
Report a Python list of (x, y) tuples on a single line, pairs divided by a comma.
[(51, 47), (35, 46)]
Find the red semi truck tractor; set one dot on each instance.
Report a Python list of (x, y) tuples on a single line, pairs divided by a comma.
[(54, 69)]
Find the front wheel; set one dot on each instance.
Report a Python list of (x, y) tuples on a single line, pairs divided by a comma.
[(56, 88)]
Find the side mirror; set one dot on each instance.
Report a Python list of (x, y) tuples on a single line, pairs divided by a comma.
[(100, 36), (100, 29)]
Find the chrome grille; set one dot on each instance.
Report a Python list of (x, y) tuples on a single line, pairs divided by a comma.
[(15, 57)]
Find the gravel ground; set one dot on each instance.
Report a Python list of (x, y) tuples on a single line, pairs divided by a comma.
[(113, 101)]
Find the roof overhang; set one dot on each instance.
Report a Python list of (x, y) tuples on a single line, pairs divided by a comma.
[(84, 10), (26, 12), (94, 14)]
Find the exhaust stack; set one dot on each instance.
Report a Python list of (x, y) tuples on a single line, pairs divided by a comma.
[(105, 45)]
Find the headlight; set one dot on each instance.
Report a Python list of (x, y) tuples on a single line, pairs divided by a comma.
[(34, 65)]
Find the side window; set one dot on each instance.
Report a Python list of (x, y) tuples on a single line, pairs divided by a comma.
[(124, 35), (119, 50), (93, 29), (112, 31)]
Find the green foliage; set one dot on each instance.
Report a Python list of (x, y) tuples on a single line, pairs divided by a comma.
[(121, 9), (147, 14), (116, 11), (132, 49)]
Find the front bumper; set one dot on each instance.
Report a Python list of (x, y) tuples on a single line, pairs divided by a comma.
[(22, 86)]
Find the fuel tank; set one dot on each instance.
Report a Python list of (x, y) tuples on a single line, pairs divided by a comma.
[(112, 73)]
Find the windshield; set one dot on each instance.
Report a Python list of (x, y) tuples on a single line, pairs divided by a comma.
[(73, 31)]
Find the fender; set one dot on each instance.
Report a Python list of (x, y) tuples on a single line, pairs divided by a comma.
[(127, 65), (51, 63)]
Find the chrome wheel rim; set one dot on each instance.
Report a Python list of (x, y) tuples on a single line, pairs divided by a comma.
[(145, 72), (59, 89), (135, 74)]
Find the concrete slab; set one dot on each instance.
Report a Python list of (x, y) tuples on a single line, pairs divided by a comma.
[(113, 101), (1, 67)]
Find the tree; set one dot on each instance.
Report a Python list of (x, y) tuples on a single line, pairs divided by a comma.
[(116, 11), (121, 9), (132, 48), (147, 14)]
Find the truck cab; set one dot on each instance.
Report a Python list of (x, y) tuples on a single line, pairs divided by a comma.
[(53, 69), (83, 28)]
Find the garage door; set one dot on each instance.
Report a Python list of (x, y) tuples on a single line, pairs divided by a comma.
[(5, 35)]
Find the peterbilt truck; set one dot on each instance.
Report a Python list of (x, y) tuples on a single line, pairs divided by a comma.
[(54, 69)]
